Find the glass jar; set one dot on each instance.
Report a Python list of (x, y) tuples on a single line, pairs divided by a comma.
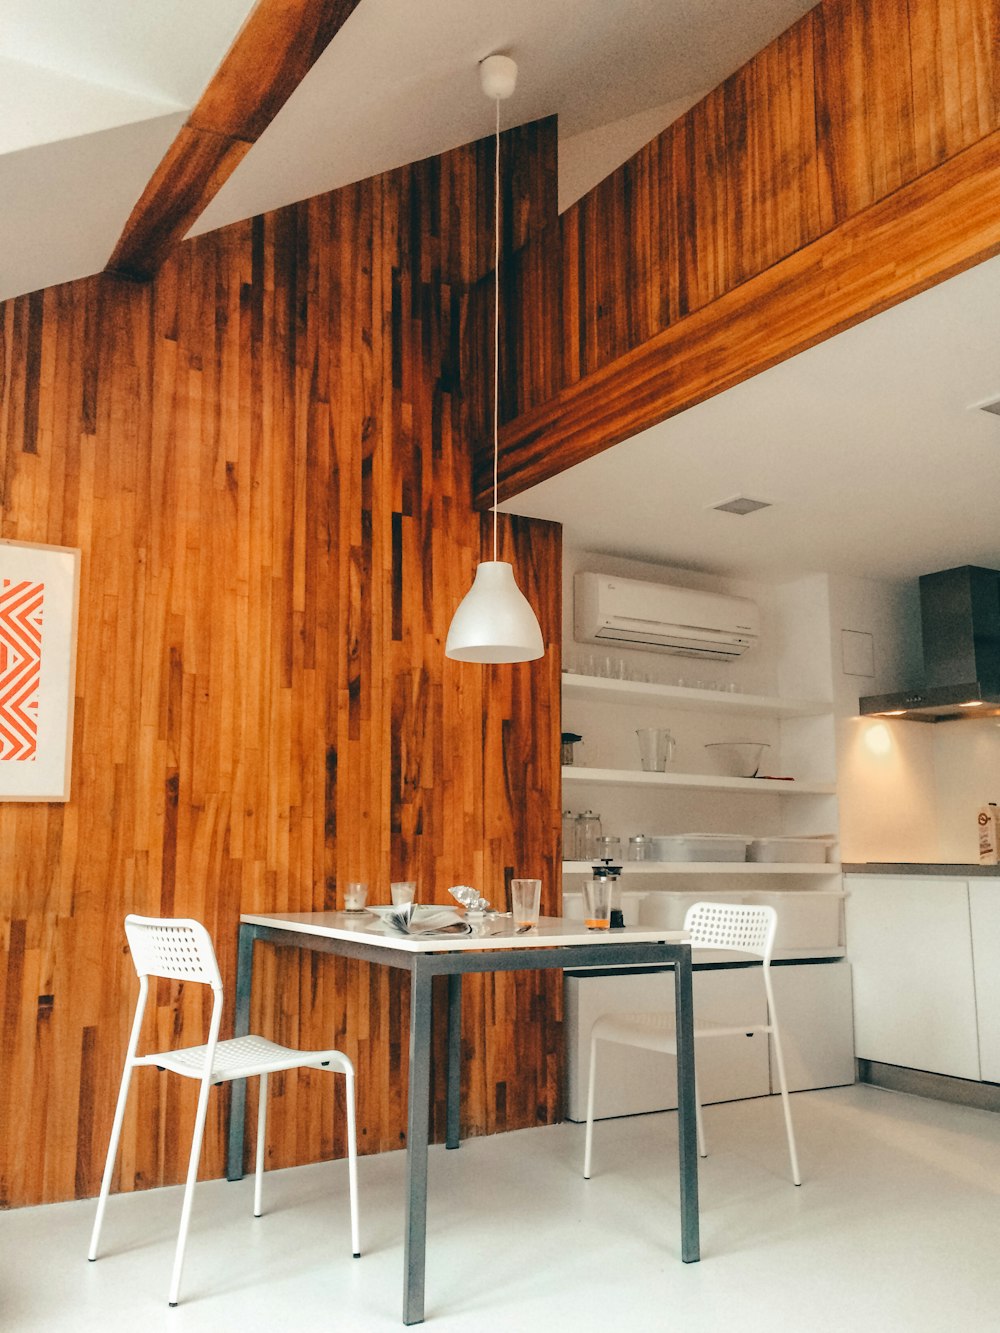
[(588, 830), (608, 849), (569, 836), (638, 847)]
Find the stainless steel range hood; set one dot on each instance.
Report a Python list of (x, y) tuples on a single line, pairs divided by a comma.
[(960, 628)]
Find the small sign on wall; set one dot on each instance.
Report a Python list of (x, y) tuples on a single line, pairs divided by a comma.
[(39, 589), (857, 652)]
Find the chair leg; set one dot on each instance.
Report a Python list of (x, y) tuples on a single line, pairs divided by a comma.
[(589, 1140), (699, 1121), (109, 1165), (192, 1176), (779, 1060), (352, 1160), (258, 1175)]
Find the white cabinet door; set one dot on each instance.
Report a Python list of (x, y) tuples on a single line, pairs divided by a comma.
[(984, 903), (909, 943), (814, 1007), (630, 1080)]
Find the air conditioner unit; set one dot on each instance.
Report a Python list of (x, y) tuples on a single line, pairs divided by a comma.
[(668, 620)]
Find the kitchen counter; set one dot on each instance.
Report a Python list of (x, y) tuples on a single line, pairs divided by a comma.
[(960, 871)]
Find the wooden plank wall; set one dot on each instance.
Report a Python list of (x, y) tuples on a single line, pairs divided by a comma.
[(265, 459), (852, 106)]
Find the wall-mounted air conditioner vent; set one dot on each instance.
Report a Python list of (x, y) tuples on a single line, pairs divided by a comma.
[(666, 619)]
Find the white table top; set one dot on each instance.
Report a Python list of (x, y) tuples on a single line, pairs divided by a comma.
[(550, 931)]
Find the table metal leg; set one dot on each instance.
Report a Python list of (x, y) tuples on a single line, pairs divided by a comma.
[(687, 1131), (417, 1134), (454, 1103), (238, 1094)]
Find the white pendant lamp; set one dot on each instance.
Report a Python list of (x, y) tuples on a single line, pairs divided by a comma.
[(494, 621)]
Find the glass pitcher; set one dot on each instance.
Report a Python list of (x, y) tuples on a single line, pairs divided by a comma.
[(656, 748)]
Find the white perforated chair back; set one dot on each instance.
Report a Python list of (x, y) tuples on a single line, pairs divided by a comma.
[(745, 928), (178, 948)]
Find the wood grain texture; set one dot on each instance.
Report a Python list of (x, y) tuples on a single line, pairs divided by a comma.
[(854, 131), (275, 49), (265, 457)]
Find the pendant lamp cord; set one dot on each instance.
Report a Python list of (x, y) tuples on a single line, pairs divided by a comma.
[(496, 326)]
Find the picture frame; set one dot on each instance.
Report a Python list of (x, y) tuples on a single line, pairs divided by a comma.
[(39, 607)]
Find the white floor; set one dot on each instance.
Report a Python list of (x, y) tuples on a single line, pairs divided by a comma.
[(896, 1227)]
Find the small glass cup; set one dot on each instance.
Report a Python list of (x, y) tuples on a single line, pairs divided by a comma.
[(403, 891), (525, 899), (597, 904), (355, 896)]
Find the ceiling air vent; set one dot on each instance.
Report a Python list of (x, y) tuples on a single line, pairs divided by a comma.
[(741, 504)]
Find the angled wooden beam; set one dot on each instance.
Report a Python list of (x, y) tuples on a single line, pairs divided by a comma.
[(275, 49), (852, 163), (942, 223)]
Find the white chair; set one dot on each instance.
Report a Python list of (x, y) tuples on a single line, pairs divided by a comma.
[(733, 927), (181, 950)]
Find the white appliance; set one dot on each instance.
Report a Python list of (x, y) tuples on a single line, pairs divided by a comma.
[(666, 619)]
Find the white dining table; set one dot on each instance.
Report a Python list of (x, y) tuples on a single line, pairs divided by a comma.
[(555, 942)]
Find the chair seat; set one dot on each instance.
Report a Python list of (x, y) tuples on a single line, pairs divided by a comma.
[(654, 1030), (240, 1057)]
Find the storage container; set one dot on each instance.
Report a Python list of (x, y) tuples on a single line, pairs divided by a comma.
[(789, 849), (665, 909), (699, 847), (807, 918)]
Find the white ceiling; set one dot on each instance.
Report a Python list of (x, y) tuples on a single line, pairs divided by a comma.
[(869, 447), (92, 92)]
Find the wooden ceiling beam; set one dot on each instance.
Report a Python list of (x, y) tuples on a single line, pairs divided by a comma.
[(275, 49)]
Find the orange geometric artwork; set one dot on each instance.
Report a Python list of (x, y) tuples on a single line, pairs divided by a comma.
[(21, 610)]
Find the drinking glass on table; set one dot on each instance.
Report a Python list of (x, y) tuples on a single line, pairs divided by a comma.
[(403, 891), (525, 898), (355, 896), (597, 904)]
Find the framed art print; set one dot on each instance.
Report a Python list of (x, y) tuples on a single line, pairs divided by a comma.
[(39, 587)]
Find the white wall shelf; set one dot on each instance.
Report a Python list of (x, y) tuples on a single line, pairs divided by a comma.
[(625, 777), (711, 868), (597, 689)]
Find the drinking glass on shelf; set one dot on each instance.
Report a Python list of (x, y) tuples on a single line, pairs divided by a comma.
[(403, 891)]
